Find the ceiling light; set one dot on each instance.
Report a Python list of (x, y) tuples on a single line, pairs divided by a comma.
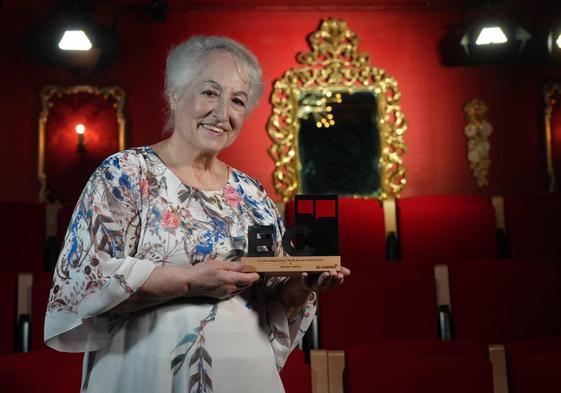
[(491, 35), (75, 40), (558, 42)]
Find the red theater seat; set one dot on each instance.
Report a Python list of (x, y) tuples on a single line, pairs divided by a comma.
[(23, 236), (39, 297), (362, 237), (431, 367), (533, 225), (8, 294), (446, 228), (63, 219), (296, 374), (41, 371), (390, 301), (534, 365), (497, 301)]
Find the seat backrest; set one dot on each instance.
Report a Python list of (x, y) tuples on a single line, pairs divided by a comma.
[(534, 226), (45, 370), (42, 283), (421, 372), (362, 238), (445, 228), (23, 236), (498, 300), (63, 220), (390, 301), (296, 374), (534, 365), (8, 294)]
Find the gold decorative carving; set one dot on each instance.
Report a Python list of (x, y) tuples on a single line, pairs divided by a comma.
[(47, 95), (335, 65), (552, 98), (478, 131)]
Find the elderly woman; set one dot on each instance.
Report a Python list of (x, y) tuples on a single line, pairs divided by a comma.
[(147, 284)]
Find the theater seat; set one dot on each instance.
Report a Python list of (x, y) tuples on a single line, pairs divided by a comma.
[(39, 298), (534, 365), (430, 367), (296, 374), (498, 301), (46, 371), (446, 228), (390, 301), (8, 294), (63, 219), (534, 226), (362, 234), (23, 234)]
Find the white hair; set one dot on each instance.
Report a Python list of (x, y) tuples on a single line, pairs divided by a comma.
[(184, 63)]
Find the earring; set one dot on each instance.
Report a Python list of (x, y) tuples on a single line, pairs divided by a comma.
[(172, 106)]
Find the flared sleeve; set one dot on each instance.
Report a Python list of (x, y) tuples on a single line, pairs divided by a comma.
[(96, 269)]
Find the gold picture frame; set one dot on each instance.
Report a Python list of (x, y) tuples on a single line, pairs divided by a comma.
[(335, 65), (48, 94)]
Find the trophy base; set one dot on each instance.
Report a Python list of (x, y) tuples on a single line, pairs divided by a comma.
[(285, 266)]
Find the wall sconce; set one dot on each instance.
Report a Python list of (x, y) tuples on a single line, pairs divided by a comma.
[(81, 130)]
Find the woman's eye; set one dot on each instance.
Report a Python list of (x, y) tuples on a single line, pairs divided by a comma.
[(239, 102), (210, 93)]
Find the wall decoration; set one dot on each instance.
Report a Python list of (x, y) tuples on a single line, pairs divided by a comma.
[(477, 132), (337, 125), (79, 126)]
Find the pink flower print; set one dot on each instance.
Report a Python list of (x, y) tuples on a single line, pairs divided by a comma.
[(232, 197), (144, 188), (170, 219)]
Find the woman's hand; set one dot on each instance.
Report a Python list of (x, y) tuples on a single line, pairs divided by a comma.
[(324, 281), (296, 290), (218, 279)]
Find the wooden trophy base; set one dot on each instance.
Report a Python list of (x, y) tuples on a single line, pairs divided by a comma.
[(286, 266)]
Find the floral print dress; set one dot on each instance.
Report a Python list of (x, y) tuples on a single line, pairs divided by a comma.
[(133, 215)]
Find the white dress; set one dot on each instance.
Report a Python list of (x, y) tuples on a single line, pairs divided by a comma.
[(133, 215)]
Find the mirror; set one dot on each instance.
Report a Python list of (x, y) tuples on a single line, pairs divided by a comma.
[(552, 98), (339, 149), (337, 126), (79, 126)]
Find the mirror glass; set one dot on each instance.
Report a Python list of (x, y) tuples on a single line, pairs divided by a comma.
[(339, 143)]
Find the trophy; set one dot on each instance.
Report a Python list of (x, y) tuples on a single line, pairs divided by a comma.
[(312, 243)]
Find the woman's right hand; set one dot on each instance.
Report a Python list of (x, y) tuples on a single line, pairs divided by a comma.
[(218, 279)]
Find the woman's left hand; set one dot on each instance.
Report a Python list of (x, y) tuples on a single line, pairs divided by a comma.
[(324, 281)]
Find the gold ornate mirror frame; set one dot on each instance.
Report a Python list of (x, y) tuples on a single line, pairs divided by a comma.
[(335, 65), (552, 98), (48, 93)]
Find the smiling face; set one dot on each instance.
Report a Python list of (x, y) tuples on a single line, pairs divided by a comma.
[(211, 112)]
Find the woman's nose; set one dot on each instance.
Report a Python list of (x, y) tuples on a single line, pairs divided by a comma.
[(221, 109)]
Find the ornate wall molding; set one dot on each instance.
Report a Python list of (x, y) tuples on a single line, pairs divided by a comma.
[(477, 132)]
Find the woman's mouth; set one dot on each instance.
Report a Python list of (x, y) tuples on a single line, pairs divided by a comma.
[(214, 130)]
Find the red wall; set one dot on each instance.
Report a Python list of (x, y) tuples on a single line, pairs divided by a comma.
[(401, 42)]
